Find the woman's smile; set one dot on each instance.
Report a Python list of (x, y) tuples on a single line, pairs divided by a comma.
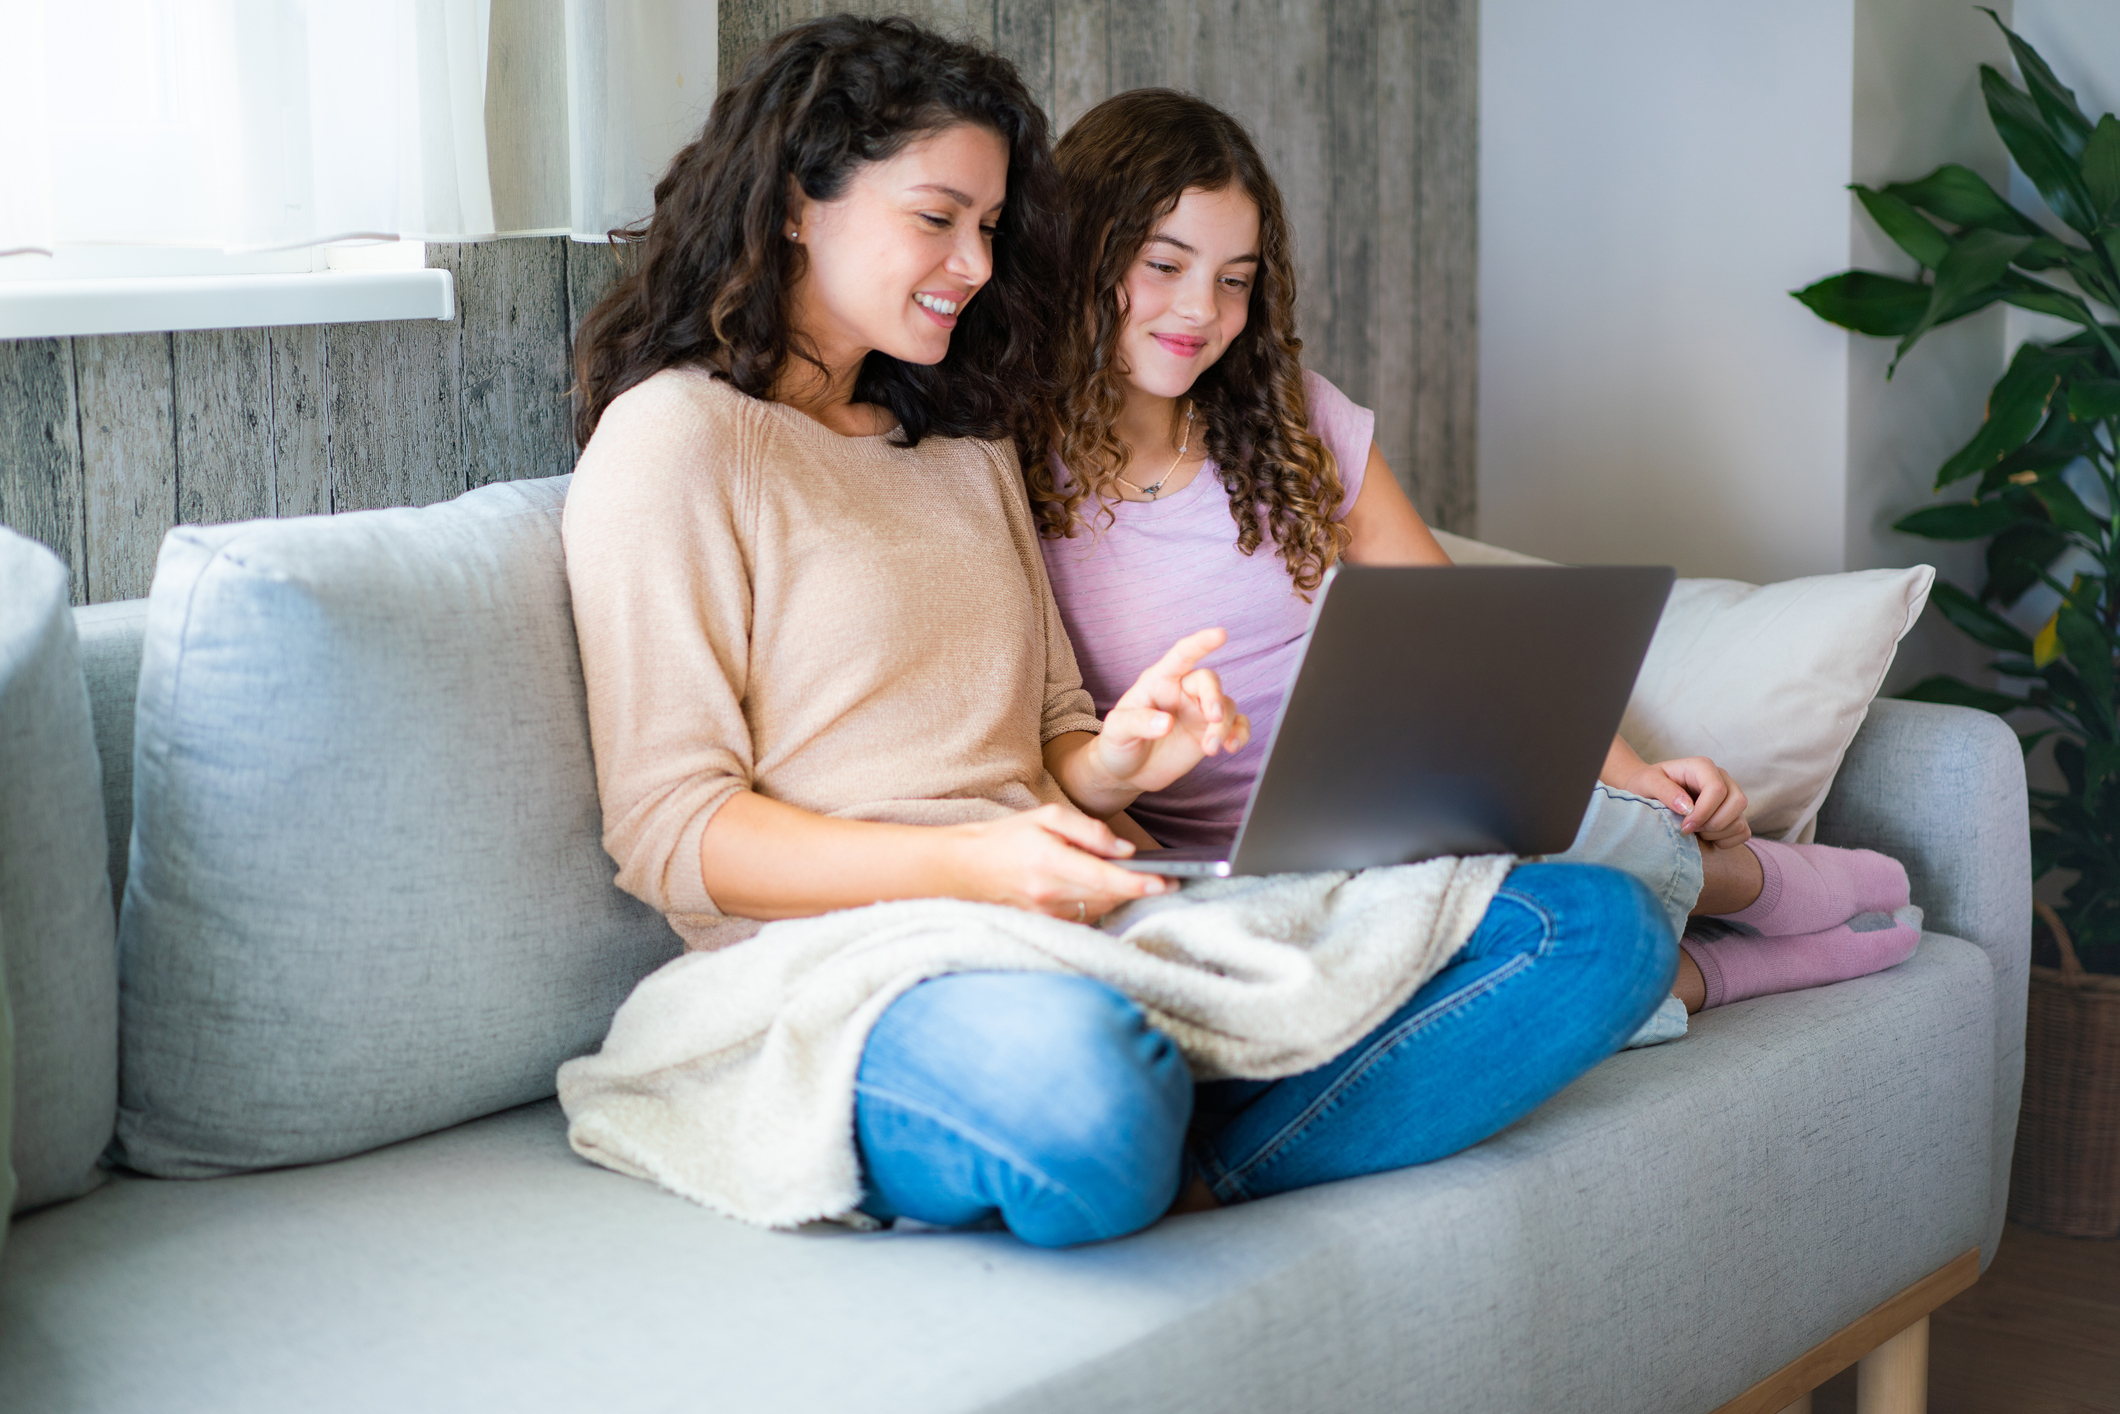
[(1182, 345), (942, 305)]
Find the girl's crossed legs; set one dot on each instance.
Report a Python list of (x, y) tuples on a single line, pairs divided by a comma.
[(1048, 1100)]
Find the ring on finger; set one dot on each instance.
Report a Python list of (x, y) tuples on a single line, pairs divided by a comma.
[(1081, 911)]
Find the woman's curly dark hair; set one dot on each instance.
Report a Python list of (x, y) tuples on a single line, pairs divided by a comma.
[(706, 278), (1123, 167)]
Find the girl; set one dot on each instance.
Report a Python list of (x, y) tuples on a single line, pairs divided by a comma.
[(1199, 474), (824, 666)]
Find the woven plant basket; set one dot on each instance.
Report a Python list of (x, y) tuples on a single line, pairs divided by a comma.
[(2066, 1178)]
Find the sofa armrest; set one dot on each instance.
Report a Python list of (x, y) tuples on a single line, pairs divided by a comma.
[(1941, 789)]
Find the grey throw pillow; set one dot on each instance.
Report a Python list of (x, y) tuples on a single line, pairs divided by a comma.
[(368, 895), (55, 914)]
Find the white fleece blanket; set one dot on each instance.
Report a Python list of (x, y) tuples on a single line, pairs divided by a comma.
[(728, 1076)]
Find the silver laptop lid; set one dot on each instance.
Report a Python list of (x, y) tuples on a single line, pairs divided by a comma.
[(1459, 710)]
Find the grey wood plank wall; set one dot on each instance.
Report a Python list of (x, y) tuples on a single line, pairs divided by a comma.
[(1365, 110), (107, 442)]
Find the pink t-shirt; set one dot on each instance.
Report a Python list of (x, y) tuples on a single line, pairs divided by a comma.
[(1167, 567)]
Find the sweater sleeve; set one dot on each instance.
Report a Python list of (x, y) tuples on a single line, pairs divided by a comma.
[(1344, 426), (655, 539), (1068, 705)]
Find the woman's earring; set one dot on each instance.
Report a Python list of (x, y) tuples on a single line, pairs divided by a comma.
[(794, 235)]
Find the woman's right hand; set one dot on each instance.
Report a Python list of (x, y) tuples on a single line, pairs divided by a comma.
[(1050, 860)]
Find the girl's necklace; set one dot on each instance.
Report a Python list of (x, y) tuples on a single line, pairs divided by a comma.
[(1184, 442)]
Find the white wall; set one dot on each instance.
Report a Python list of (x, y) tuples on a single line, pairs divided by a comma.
[(1655, 177)]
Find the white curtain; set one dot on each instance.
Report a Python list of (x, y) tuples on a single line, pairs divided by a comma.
[(640, 76), (249, 125)]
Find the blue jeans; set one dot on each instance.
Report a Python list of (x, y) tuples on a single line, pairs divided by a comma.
[(1046, 1100)]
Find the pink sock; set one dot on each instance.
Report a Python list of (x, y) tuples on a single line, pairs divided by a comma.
[(1811, 887), (1740, 966)]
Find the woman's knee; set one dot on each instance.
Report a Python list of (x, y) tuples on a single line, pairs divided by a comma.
[(1597, 911), (1079, 1105)]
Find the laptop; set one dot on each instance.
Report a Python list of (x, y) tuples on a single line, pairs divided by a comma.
[(1441, 710)]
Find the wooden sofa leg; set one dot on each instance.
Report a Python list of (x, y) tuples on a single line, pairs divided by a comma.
[(1894, 1378)]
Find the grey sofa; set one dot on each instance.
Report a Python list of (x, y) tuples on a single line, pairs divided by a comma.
[(1722, 1221)]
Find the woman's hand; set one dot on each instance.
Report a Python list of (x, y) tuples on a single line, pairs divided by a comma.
[(1165, 724), (1050, 860), (1695, 787)]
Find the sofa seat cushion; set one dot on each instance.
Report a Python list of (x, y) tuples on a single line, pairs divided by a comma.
[(1757, 1185)]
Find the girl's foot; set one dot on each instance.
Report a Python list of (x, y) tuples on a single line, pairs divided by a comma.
[(1739, 966), (1808, 888)]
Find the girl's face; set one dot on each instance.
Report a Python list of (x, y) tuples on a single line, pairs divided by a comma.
[(894, 260), (1189, 290)]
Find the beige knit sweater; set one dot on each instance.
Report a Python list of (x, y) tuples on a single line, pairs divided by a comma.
[(852, 627)]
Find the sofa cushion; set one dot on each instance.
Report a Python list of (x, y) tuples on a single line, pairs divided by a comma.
[(368, 895), (111, 636), (1772, 681), (62, 974), (1756, 1186)]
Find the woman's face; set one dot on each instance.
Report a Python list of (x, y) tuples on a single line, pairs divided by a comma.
[(1189, 290), (893, 261)]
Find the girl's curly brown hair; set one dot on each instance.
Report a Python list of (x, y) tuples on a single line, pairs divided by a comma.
[(1123, 167), (706, 278)]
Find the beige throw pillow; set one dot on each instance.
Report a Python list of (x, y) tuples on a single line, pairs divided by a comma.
[(1772, 681)]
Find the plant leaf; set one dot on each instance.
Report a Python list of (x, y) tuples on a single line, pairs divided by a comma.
[(1975, 261), (2053, 447), (1866, 302), (1979, 622), (2100, 761), (2015, 409), (2068, 757), (2044, 253), (1913, 232), (2084, 265), (1953, 693), (1962, 197), (1961, 520), (2017, 558), (2019, 123), (2057, 103), (2067, 508), (2045, 299), (2064, 695), (2101, 167), (2046, 644), (2090, 653), (2090, 399)]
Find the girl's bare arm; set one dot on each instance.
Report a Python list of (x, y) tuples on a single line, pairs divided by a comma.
[(1387, 530)]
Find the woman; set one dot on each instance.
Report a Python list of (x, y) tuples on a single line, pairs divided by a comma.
[(823, 662)]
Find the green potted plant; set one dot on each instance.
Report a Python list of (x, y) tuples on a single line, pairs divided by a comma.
[(2045, 484)]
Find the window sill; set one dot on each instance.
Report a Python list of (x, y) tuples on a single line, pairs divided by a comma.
[(43, 309)]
